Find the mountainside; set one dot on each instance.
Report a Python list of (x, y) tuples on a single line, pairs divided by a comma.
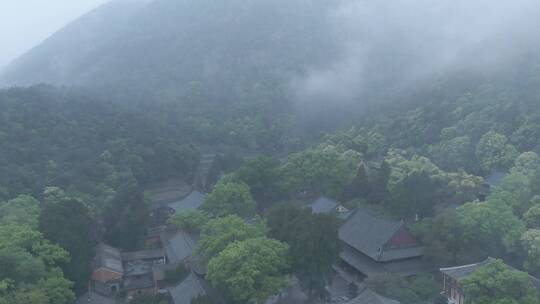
[(231, 49)]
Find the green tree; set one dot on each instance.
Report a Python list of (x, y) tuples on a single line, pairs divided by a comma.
[(494, 152), (532, 216), (442, 237), (496, 283), (218, 233), (261, 174), (471, 232), (453, 154), (127, 218), (29, 268), (192, 220), (527, 164), (416, 194), (22, 210), (282, 220), (491, 226), (228, 198), (515, 191), (313, 242), (68, 223), (531, 242), (322, 170), (421, 289), (250, 271)]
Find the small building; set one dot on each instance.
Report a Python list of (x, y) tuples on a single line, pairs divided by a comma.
[(154, 256), (163, 211), (107, 266), (453, 275), (190, 288), (190, 203), (178, 245), (327, 205), (374, 245), (136, 285), (367, 296)]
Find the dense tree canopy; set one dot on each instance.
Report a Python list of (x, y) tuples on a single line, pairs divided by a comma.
[(29, 268), (322, 170), (229, 197), (313, 241), (497, 283), (218, 233), (250, 270), (67, 222)]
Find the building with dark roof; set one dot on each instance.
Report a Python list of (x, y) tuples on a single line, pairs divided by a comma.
[(190, 288), (139, 284), (150, 255), (191, 202), (178, 245), (324, 205), (453, 275), (327, 205), (367, 296), (373, 245), (107, 266)]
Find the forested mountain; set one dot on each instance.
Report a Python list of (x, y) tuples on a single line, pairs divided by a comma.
[(234, 50), (358, 103)]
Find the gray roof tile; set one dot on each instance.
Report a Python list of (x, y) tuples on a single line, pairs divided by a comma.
[(370, 297), (369, 234), (324, 205), (178, 245), (108, 257), (191, 202), (187, 290)]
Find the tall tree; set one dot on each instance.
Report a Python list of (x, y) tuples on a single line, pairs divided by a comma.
[(22, 210), (531, 243), (313, 241), (29, 268), (67, 222), (494, 152), (228, 198), (496, 283), (218, 233), (250, 271), (127, 218), (261, 174), (322, 170)]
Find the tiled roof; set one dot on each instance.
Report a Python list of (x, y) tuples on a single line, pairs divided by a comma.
[(370, 297), (369, 267), (461, 272), (191, 202), (324, 205), (369, 234), (178, 245), (143, 255), (108, 257), (187, 290)]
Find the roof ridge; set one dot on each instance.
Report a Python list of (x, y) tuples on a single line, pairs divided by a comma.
[(459, 267)]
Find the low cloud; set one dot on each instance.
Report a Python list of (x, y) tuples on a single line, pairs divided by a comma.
[(388, 46)]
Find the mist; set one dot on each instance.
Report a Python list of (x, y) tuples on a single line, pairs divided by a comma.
[(25, 23), (386, 47)]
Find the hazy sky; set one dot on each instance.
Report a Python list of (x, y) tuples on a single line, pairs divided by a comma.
[(25, 23)]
